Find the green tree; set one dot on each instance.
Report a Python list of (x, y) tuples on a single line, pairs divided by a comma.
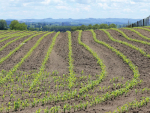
[(3, 25), (103, 26), (73, 28), (20, 26), (89, 26), (112, 26), (83, 27), (15, 25), (96, 26)]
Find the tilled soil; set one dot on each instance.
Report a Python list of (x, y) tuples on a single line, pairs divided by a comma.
[(34, 61), (15, 58), (114, 66), (133, 35), (119, 36), (143, 32), (58, 59), (83, 61)]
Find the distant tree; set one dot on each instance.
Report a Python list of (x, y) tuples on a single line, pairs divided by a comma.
[(13, 23), (103, 26), (96, 26), (3, 25), (89, 26), (112, 26), (83, 27), (73, 28), (20, 26)]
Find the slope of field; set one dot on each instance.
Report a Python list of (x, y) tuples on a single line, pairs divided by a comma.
[(93, 71)]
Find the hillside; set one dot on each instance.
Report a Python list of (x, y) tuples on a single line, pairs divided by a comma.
[(93, 71)]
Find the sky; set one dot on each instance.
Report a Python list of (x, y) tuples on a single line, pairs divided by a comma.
[(75, 9)]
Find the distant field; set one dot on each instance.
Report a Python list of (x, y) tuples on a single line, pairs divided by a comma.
[(93, 71)]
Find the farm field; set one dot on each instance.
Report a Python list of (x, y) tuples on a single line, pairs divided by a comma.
[(93, 71)]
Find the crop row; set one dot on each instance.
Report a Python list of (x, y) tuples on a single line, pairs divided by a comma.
[(36, 80), (138, 33), (127, 44), (140, 41), (71, 78), (107, 95), (7, 33), (132, 105), (11, 72), (23, 35)]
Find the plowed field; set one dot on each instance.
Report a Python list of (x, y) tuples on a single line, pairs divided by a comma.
[(93, 71)]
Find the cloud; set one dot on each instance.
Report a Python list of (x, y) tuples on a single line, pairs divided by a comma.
[(74, 8)]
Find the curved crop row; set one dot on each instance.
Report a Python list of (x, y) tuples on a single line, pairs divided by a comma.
[(84, 89), (138, 33), (12, 36), (106, 96), (127, 44), (132, 105), (4, 58), (8, 34), (11, 72), (140, 41), (121, 91), (142, 28), (36, 80), (72, 77), (23, 35)]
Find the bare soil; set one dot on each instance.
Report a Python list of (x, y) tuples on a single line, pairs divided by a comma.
[(83, 61)]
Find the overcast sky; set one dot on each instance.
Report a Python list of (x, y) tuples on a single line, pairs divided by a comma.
[(75, 9)]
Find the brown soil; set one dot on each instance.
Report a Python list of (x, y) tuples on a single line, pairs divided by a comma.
[(133, 35), (15, 58), (34, 61), (58, 59), (83, 60), (143, 32)]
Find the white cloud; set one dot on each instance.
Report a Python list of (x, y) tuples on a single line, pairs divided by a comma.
[(74, 8)]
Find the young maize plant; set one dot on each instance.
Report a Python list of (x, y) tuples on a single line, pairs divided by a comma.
[(71, 78), (42, 68), (99, 61), (132, 66), (14, 69), (142, 28), (7, 34), (135, 40), (12, 36), (127, 44), (138, 33), (133, 104), (25, 34)]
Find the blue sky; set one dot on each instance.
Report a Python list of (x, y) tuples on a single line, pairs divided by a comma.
[(75, 9)]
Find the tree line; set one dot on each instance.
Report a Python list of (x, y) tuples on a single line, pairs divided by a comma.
[(15, 25)]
